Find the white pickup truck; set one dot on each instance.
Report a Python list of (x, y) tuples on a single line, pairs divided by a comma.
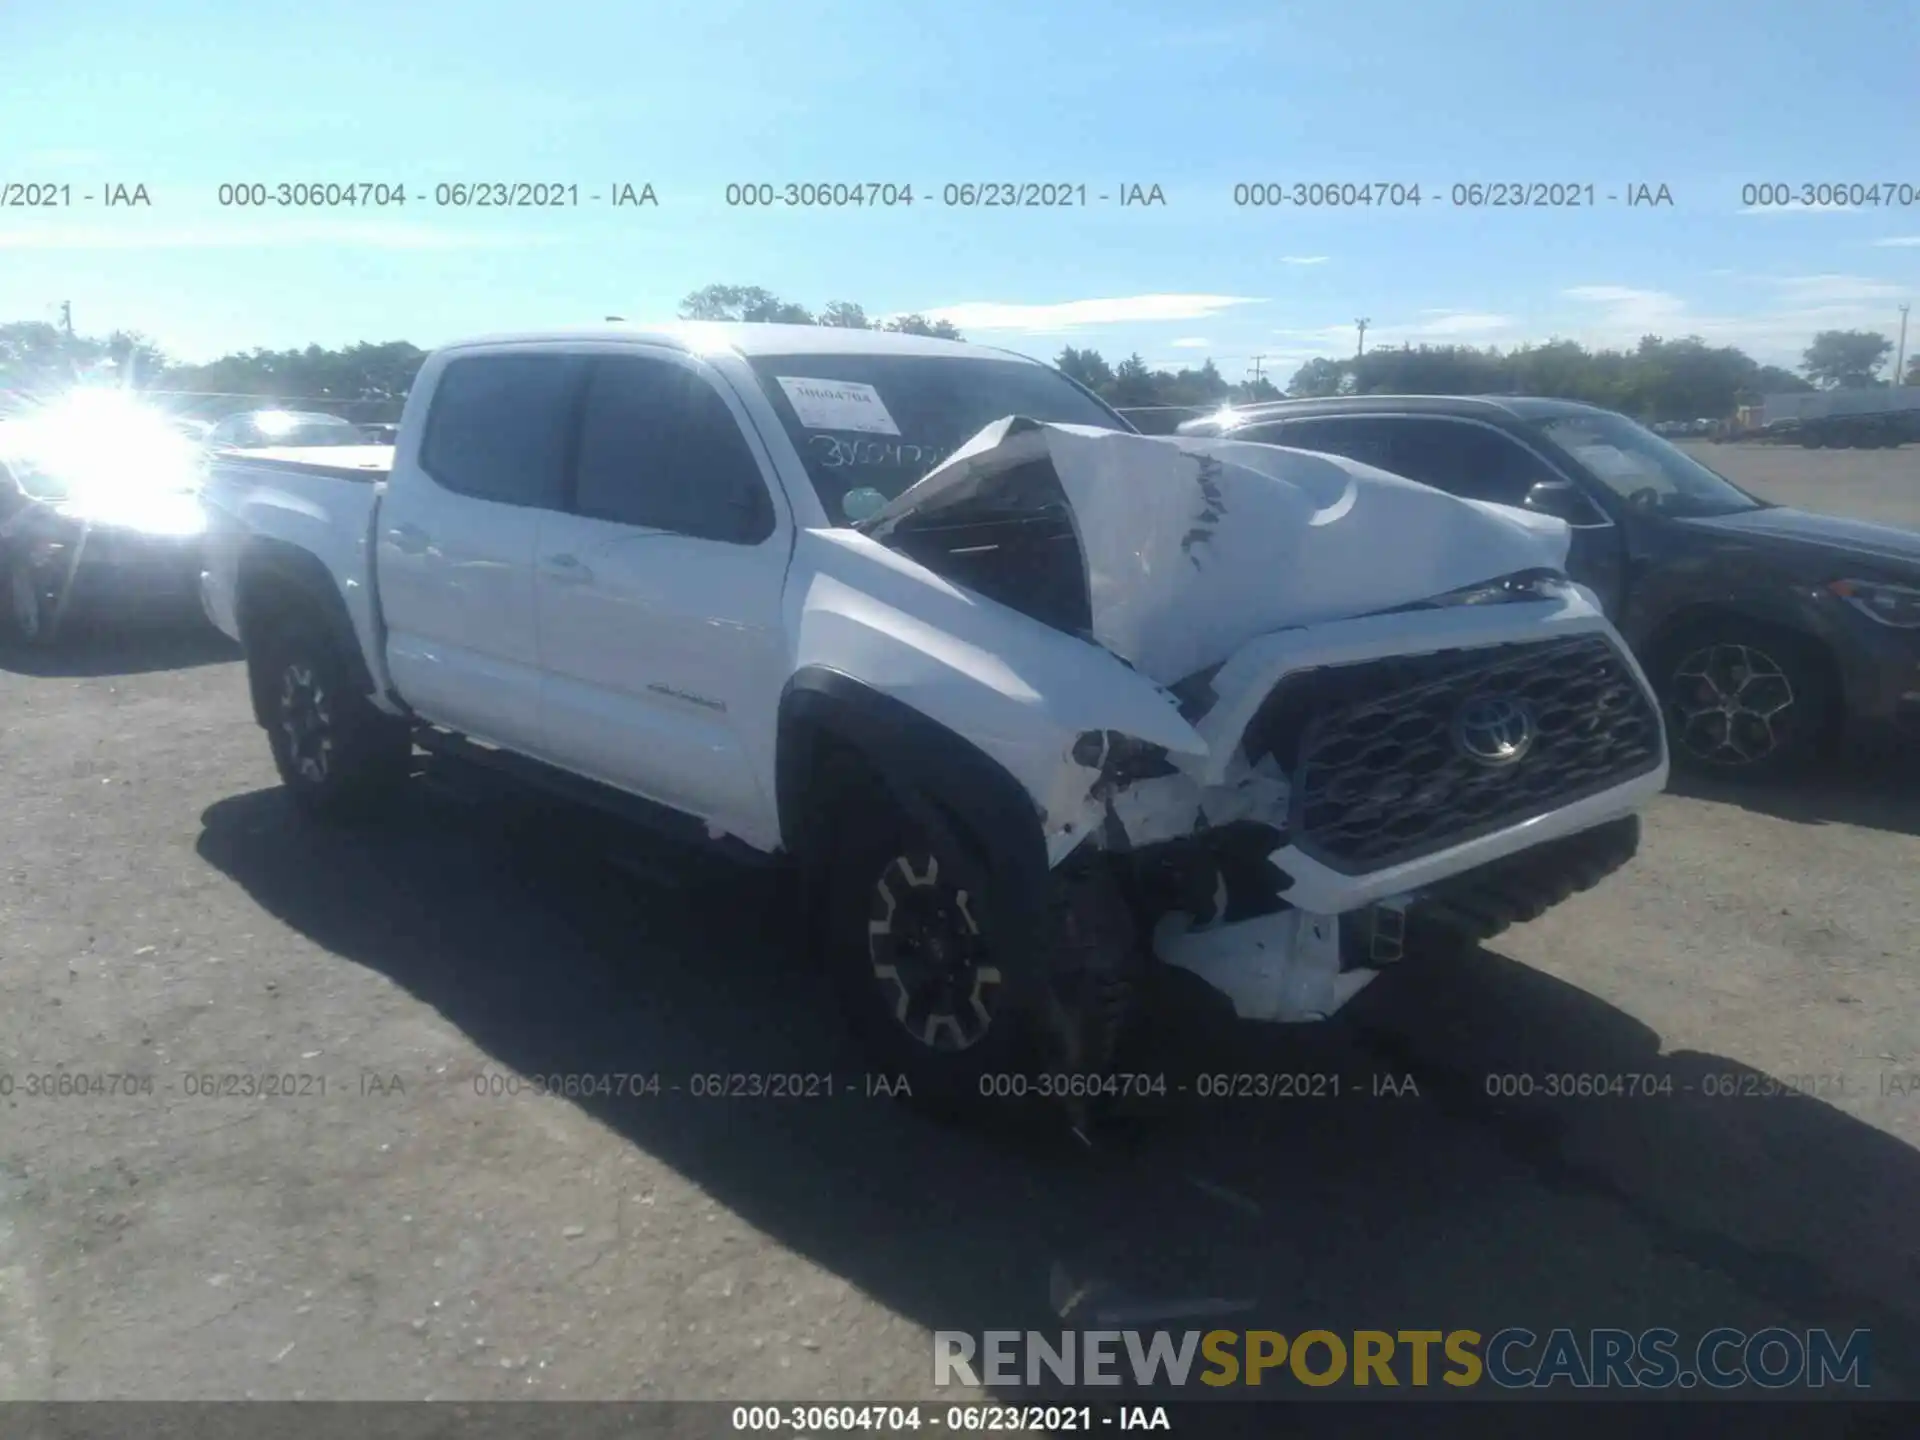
[(1032, 703)]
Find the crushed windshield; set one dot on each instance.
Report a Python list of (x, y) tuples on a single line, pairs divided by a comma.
[(869, 426), (1645, 470)]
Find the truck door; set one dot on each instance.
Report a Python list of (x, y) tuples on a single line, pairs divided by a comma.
[(455, 542), (659, 595)]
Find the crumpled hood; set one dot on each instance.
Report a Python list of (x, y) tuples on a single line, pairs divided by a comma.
[(1193, 546)]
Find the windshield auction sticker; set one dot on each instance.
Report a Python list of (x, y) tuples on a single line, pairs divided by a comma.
[(838, 405)]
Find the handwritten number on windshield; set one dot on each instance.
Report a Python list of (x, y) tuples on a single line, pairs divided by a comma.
[(833, 453)]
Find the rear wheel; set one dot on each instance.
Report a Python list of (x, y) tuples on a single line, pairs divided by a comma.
[(1743, 698), (32, 616), (337, 755)]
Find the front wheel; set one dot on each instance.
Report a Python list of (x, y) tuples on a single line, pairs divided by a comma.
[(337, 755), (937, 991), (1742, 699)]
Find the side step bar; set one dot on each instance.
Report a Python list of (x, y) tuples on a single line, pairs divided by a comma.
[(471, 768)]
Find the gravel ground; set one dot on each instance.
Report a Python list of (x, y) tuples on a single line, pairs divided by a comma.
[(395, 1229), (1881, 485)]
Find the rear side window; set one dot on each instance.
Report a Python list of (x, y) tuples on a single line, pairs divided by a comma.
[(498, 427), (1467, 460), (1367, 441), (659, 448), (1460, 457)]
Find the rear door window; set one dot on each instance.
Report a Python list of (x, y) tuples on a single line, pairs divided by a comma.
[(498, 427)]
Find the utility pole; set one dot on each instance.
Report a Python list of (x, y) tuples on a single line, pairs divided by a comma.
[(66, 317), (1257, 376), (1900, 355), (1361, 348)]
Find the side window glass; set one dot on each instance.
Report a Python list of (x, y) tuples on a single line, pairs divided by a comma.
[(1356, 439), (1464, 459), (659, 448), (498, 428)]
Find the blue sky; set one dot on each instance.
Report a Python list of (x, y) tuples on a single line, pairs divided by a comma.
[(1703, 97)]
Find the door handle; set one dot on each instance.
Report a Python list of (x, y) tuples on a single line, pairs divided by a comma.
[(568, 569), (409, 539)]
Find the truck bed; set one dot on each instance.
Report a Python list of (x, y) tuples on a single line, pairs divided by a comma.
[(341, 462), (317, 501)]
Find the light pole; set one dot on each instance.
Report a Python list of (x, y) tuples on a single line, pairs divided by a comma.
[(1900, 355), (1361, 348)]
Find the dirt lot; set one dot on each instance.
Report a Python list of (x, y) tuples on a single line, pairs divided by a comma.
[(1881, 485), (395, 1228)]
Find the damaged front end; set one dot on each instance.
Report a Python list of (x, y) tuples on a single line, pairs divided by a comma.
[(1389, 696)]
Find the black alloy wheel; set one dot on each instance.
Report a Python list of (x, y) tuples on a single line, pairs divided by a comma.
[(1743, 700)]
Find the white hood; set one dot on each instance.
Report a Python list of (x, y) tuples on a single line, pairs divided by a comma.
[(1194, 546)]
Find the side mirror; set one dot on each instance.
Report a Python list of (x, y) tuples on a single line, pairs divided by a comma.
[(1561, 499)]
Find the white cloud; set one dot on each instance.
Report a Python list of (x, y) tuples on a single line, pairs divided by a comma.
[(360, 233), (1628, 309), (1303, 259), (1191, 342), (1835, 289), (1068, 315), (1788, 312), (1450, 323), (1318, 332), (1899, 240)]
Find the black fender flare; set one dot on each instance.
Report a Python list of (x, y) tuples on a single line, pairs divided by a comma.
[(275, 579), (958, 793)]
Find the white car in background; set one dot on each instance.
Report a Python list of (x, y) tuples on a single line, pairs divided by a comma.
[(99, 513), (253, 429)]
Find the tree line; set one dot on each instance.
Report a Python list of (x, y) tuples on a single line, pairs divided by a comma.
[(1659, 379)]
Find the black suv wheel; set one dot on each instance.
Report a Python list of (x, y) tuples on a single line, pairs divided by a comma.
[(32, 615), (1742, 698)]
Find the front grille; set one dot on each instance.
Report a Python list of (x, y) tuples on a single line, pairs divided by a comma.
[(1382, 774)]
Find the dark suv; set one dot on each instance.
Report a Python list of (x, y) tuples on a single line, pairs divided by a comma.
[(1766, 630)]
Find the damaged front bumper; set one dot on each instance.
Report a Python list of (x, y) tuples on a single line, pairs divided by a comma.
[(1403, 765), (1336, 689), (1294, 965)]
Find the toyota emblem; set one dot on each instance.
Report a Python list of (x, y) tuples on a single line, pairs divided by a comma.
[(1494, 729)]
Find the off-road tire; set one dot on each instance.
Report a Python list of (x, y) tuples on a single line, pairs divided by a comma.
[(339, 757), (1065, 1021)]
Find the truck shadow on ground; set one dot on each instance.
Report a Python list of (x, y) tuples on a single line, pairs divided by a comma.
[(1705, 1200), (1877, 793), (135, 649)]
